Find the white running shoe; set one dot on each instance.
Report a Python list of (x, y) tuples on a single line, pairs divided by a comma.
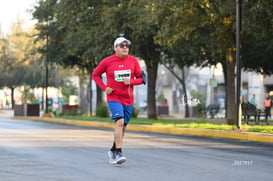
[(112, 157), (119, 158)]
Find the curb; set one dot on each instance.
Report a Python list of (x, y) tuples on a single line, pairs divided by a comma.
[(237, 135)]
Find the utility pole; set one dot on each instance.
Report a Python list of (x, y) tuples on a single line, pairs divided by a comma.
[(238, 65), (91, 94), (46, 62), (46, 76)]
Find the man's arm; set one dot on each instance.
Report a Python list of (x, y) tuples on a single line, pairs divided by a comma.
[(144, 77), (139, 74), (139, 80)]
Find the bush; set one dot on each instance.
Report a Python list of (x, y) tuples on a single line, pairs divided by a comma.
[(102, 110), (70, 110)]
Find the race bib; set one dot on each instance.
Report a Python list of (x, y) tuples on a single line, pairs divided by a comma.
[(120, 74)]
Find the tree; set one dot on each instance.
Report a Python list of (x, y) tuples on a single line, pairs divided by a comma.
[(137, 21), (190, 32), (183, 37), (20, 62), (11, 72), (257, 36), (206, 29), (81, 29), (72, 29)]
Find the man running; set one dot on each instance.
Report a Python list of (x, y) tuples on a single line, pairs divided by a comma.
[(123, 72)]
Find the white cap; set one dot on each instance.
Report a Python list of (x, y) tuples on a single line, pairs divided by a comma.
[(120, 40)]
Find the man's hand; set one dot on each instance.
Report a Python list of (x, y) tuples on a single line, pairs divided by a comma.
[(108, 90), (126, 81)]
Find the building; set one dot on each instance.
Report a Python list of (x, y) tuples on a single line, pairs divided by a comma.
[(209, 82)]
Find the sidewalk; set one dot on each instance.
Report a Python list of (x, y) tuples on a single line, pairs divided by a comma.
[(233, 134)]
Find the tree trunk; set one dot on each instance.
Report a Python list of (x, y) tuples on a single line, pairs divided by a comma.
[(185, 94), (99, 96), (152, 75), (225, 78), (83, 94), (183, 82), (43, 101), (12, 98), (230, 87)]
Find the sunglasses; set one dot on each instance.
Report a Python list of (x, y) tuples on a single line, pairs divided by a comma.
[(123, 45)]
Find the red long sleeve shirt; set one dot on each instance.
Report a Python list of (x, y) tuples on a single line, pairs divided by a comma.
[(117, 68)]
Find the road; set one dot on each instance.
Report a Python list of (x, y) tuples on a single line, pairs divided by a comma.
[(39, 151)]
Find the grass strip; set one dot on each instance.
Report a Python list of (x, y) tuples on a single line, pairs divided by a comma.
[(200, 124)]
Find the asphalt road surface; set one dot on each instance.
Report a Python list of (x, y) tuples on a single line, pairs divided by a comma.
[(38, 151)]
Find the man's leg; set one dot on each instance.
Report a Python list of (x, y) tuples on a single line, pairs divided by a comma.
[(121, 114), (120, 128), (117, 115), (118, 137), (113, 151), (119, 133)]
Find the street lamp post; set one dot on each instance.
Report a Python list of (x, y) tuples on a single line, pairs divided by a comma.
[(46, 61), (46, 74), (238, 65)]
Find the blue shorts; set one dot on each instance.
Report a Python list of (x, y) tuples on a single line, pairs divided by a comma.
[(120, 111)]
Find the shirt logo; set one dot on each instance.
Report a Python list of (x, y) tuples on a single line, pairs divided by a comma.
[(120, 66)]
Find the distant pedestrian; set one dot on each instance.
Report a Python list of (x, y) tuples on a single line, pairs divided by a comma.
[(123, 73), (267, 106), (7, 103)]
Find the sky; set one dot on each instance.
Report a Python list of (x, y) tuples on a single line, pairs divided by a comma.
[(10, 10)]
